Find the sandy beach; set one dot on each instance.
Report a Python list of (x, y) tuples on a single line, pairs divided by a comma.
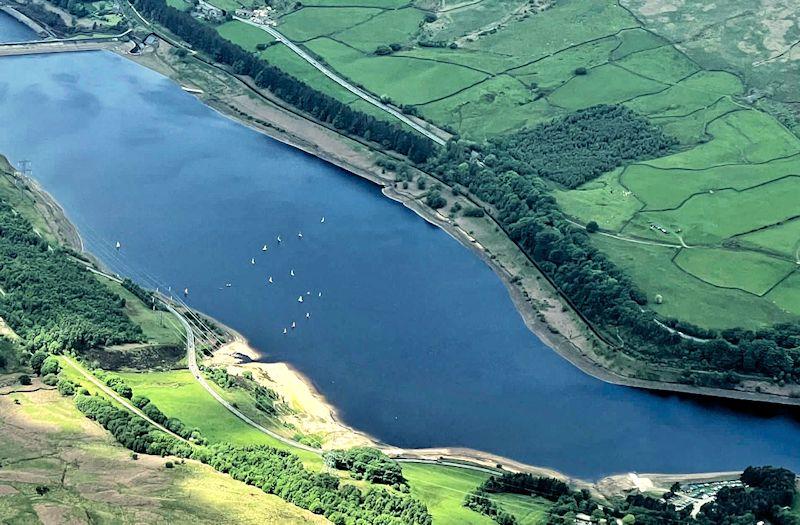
[(311, 413)]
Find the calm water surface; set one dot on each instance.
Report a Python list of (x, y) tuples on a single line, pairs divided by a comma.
[(414, 339), (13, 31)]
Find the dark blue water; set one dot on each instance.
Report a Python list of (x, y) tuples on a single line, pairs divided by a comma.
[(13, 31), (414, 339)]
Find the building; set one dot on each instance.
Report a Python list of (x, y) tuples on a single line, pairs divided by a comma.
[(208, 11)]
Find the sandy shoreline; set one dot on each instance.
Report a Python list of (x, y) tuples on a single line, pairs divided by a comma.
[(312, 414)]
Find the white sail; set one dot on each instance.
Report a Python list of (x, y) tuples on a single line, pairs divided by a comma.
[(291, 272), (253, 260), (185, 291), (293, 324), (285, 331), (270, 279), (300, 235), (279, 238), (322, 220), (319, 295), (300, 299), (264, 248), (308, 315), (119, 245)]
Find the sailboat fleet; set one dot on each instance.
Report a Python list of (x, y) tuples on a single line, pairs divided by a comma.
[(271, 280)]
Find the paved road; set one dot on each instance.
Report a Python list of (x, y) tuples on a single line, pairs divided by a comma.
[(121, 400), (344, 83)]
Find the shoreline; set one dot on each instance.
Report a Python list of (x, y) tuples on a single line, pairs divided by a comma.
[(455, 231)]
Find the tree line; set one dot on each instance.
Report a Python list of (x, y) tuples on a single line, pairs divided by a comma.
[(297, 93), (49, 299), (496, 173), (274, 471)]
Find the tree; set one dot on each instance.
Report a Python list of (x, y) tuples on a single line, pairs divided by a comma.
[(50, 366), (37, 360), (592, 227), (580, 71), (629, 519), (24, 379), (435, 200)]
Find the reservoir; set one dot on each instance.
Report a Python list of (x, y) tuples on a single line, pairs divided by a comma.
[(414, 339)]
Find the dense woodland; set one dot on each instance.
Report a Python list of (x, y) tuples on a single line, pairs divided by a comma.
[(49, 299), (520, 199), (327, 109), (584, 145)]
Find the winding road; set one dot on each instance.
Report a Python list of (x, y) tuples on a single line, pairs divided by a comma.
[(191, 358), (344, 83)]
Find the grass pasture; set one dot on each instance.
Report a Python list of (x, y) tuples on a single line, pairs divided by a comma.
[(603, 200), (606, 84), (668, 188), (664, 64), (685, 296), (752, 272), (312, 22), (459, 18), (710, 218), (404, 80), (782, 239), (443, 489), (498, 105), (526, 509), (179, 395), (178, 4), (389, 27), (244, 35)]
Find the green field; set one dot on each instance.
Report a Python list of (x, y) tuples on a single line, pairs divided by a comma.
[(247, 36), (389, 27), (311, 22), (443, 489), (404, 80), (179, 395)]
